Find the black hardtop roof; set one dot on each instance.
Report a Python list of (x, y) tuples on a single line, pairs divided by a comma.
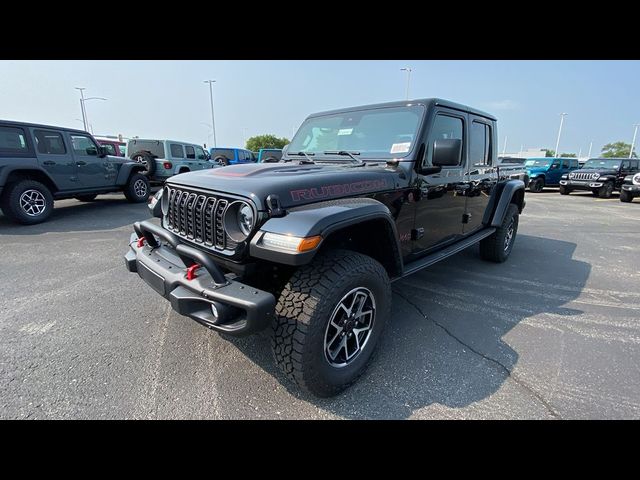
[(8, 123), (427, 102)]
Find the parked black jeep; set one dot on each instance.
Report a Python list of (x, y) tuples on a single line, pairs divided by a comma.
[(600, 175), (630, 188), (40, 163), (309, 246)]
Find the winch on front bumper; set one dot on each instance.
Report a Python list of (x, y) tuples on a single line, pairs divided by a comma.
[(194, 284)]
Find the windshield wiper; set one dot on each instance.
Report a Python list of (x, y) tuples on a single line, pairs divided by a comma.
[(301, 153), (346, 154)]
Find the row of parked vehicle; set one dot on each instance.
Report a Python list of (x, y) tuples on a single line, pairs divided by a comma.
[(601, 176), (43, 163)]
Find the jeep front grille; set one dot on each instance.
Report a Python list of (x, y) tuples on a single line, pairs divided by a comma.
[(197, 217), (583, 176)]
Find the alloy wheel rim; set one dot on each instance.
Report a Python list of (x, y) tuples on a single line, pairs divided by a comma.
[(509, 236), (140, 187), (33, 203), (349, 328)]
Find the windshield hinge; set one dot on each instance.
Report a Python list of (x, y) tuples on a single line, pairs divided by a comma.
[(274, 207)]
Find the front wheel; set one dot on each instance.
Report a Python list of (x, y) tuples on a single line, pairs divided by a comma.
[(564, 190), (137, 190), (497, 246), (625, 196), (606, 190), (329, 318), (536, 185)]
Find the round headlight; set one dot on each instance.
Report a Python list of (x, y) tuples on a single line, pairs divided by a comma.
[(636, 179), (595, 176), (571, 175), (245, 219), (239, 221)]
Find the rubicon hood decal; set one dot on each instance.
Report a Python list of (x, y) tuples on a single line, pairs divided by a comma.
[(328, 191)]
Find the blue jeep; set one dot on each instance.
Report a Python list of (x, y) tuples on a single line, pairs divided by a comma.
[(546, 171), (231, 156)]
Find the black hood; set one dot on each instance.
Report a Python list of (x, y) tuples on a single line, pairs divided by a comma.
[(601, 171), (293, 183)]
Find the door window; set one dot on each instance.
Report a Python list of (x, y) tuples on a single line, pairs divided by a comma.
[(83, 145), (176, 150), (191, 153), (444, 127), (200, 155), (480, 144), (49, 142), (565, 164)]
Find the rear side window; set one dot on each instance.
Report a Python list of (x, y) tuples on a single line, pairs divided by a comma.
[(49, 142), (155, 147), (223, 152), (480, 144), (625, 165), (191, 153), (634, 164), (176, 150), (574, 163), (565, 163), (13, 141)]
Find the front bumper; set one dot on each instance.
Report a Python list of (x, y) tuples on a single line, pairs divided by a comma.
[(581, 184), (632, 189), (242, 309)]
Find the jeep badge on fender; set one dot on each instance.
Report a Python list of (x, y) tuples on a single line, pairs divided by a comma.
[(308, 246)]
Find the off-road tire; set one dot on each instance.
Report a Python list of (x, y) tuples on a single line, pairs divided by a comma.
[(564, 190), (595, 192), (86, 198), (304, 310), (148, 160), (134, 191), (13, 196), (536, 185), (221, 160), (625, 196), (606, 190), (493, 248)]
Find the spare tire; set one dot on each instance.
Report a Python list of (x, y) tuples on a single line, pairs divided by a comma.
[(221, 160), (270, 160), (146, 159)]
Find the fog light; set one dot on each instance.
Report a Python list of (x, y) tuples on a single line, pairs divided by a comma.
[(223, 313), (214, 310)]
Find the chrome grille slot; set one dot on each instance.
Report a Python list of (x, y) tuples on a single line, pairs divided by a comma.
[(198, 217)]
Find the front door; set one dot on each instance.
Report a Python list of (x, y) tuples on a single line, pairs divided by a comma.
[(55, 157), (93, 171), (480, 176), (439, 204)]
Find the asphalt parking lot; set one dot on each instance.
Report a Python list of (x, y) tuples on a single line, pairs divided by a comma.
[(552, 333)]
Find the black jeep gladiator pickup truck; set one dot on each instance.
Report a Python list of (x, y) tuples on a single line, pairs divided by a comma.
[(309, 246)]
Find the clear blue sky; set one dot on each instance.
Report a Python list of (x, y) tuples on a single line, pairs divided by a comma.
[(168, 99)]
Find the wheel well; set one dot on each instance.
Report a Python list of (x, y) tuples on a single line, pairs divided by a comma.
[(374, 238), (36, 175), (518, 199)]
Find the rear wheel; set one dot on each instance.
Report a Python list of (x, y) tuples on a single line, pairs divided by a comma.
[(137, 190), (86, 198), (606, 190), (497, 247), (536, 185), (564, 190), (329, 318), (625, 196), (27, 202)]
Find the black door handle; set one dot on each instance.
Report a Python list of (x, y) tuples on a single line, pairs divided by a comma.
[(49, 162), (80, 163)]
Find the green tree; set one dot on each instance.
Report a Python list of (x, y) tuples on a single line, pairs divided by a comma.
[(265, 141), (549, 153), (616, 150)]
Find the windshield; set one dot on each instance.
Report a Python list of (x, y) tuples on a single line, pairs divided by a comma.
[(537, 163), (380, 133), (602, 163)]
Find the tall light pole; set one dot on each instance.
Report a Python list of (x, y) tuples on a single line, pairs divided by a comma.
[(84, 115), (633, 142), (408, 70), (213, 120), (590, 145), (504, 148), (562, 115)]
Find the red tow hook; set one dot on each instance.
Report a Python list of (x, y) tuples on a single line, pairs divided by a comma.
[(191, 271), (140, 242)]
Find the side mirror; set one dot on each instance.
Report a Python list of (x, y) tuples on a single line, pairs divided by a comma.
[(554, 166), (447, 152), (92, 151)]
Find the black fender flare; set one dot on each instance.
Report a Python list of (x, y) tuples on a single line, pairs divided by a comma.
[(501, 197), (125, 172), (324, 219)]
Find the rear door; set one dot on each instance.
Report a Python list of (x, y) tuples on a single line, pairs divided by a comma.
[(480, 174), (55, 157)]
